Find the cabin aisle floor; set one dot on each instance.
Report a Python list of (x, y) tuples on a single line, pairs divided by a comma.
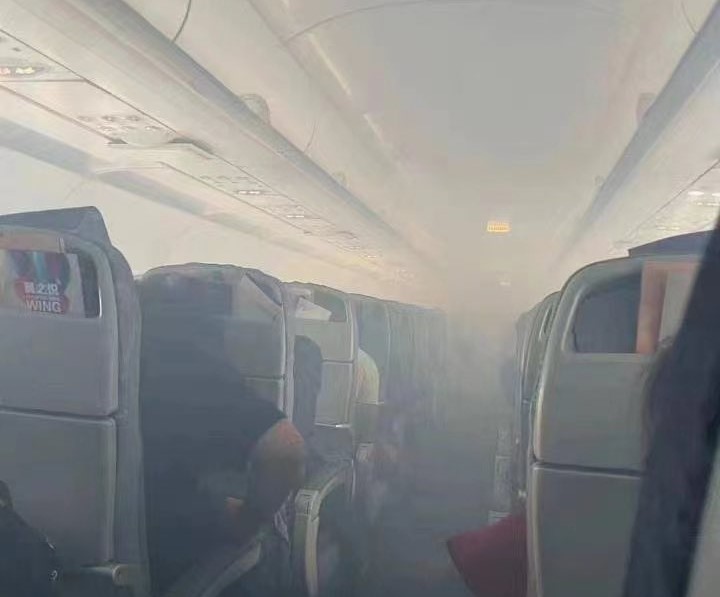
[(452, 494)]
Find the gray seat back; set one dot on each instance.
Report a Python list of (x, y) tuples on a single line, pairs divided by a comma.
[(542, 320), (420, 321), (522, 340), (537, 331), (70, 447), (437, 359), (336, 336), (402, 352), (417, 355), (246, 307), (587, 440), (373, 324)]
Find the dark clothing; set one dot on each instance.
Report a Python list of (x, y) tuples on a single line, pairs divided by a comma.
[(199, 434), (684, 409), (307, 376), (28, 565)]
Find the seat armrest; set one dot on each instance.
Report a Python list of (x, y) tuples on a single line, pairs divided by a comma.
[(308, 502), (105, 579), (315, 489), (218, 571), (118, 575)]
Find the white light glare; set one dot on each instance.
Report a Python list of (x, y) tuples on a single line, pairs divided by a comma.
[(696, 193)]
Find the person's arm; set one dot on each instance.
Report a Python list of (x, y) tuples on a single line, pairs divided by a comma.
[(277, 468)]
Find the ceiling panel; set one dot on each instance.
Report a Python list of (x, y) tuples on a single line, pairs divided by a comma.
[(512, 110)]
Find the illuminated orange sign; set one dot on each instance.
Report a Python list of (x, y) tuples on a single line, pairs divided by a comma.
[(498, 227)]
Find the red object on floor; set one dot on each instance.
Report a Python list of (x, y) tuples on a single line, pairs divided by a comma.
[(493, 560)]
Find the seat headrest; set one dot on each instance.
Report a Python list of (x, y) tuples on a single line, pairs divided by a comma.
[(213, 289), (327, 317), (85, 222), (226, 312), (683, 244)]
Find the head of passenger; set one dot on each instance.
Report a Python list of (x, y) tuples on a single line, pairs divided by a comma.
[(220, 461)]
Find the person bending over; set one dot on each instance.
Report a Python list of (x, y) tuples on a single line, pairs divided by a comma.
[(219, 464)]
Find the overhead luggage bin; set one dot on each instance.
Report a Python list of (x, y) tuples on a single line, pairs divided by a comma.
[(70, 448), (588, 436)]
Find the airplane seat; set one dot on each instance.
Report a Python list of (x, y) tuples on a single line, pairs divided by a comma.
[(280, 294), (705, 574), (587, 439), (323, 507), (420, 419), (70, 448), (373, 338), (307, 377), (246, 307), (437, 366), (402, 398), (542, 318), (508, 464), (326, 316), (399, 390), (373, 323), (216, 315), (421, 362), (522, 341)]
